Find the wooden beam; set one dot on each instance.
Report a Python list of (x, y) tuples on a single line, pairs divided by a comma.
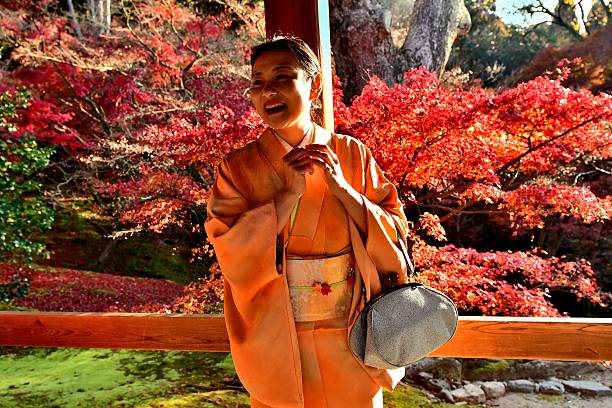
[(309, 20), (533, 338), (477, 337), (140, 331)]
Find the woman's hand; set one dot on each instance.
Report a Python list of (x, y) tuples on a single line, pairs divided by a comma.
[(300, 161), (296, 164), (326, 159), (353, 201)]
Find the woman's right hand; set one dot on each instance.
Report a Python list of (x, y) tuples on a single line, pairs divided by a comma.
[(297, 163)]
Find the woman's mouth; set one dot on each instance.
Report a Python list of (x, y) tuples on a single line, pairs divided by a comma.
[(274, 107)]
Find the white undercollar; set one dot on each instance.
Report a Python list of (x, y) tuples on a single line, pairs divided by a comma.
[(306, 140)]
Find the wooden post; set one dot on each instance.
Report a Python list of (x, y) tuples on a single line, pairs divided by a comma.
[(309, 20)]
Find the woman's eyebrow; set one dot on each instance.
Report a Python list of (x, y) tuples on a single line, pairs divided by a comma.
[(277, 68)]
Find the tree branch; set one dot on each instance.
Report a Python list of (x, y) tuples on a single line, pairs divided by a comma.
[(534, 148), (74, 64), (556, 17)]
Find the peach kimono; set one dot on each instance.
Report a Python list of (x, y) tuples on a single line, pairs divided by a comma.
[(281, 362)]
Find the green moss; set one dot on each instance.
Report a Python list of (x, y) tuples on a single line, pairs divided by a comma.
[(227, 364), (77, 241), (211, 399), (480, 369), (75, 378), (406, 396), (116, 378), (492, 367), (551, 398), (158, 260)]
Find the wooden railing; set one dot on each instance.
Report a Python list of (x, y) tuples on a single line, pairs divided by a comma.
[(571, 339)]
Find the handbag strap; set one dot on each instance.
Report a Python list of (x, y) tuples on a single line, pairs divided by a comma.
[(402, 243)]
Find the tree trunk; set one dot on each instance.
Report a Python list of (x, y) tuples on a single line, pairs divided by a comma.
[(100, 12), (75, 21), (361, 43), (107, 20), (93, 10), (434, 26), (363, 46)]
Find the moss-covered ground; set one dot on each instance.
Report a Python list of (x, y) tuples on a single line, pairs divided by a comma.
[(79, 238), (41, 378), (84, 378)]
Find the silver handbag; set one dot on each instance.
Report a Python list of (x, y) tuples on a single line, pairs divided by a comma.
[(402, 324)]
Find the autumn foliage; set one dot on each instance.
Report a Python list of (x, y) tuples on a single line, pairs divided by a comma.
[(592, 68), (142, 116), (68, 290), (509, 160)]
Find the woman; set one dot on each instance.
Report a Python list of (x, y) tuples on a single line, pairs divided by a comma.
[(304, 225)]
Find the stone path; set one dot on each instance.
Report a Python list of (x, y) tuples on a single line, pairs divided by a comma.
[(537, 384), (569, 400), (514, 400)]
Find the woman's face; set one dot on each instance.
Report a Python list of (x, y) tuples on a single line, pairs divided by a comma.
[(281, 92)]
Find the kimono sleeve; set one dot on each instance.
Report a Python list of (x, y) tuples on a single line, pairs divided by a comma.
[(386, 223), (243, 235)]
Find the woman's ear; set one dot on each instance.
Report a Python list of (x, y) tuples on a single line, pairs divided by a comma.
[(315, 86)]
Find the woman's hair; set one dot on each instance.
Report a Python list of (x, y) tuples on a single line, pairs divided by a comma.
[(305, 57), (301, 51)]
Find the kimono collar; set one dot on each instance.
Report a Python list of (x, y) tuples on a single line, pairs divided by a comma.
[(274, 149), (319, 136), (306, 140)]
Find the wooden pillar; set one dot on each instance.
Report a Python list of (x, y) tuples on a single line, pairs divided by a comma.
[(309, 20)]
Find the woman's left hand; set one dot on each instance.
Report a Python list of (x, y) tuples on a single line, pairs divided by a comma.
[(353, 201), (325, 158)]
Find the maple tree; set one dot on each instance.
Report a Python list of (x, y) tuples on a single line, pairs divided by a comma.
[(145, 114), (511, 160), (141, 116)]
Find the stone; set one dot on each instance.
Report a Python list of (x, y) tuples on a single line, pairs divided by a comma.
[(436, 385), (547, 368), (469, 393), (426, 380), (503, 370), (524, 386), (493, 389), (445, 368), (447, 396), (551, 387), (589, 388)]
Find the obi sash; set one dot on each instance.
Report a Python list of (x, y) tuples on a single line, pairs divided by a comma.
[(320, 288)]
